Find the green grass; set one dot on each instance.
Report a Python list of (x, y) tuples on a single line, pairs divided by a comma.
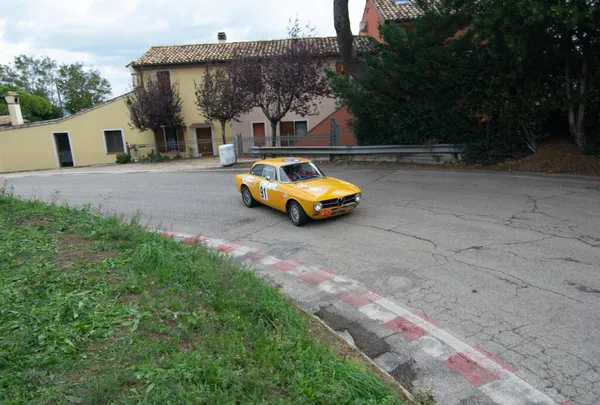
[(96, 311)]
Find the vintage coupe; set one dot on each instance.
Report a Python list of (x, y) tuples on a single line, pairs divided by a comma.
[(297, 187)]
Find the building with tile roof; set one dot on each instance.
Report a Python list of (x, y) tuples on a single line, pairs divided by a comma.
[(198, 54), (185, 65), (378, 12)]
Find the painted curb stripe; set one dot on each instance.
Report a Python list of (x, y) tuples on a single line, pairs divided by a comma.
[(492, 375)]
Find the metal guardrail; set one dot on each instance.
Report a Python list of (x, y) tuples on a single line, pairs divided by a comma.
[(358, 150)]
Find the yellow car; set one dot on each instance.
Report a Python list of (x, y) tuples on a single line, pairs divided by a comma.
[(297, 187)]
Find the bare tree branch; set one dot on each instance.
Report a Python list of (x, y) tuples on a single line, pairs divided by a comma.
[(294, 81), (220, 97)]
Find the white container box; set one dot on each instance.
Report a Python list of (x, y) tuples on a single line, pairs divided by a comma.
[(227, 155)]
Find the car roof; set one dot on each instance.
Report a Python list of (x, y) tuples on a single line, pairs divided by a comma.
[(282, 161)]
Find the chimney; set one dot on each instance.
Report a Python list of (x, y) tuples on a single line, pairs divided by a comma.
[(14, 108), (222, 37), (134, 75)]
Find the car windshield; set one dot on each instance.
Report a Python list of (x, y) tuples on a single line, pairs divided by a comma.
[(300, 172)]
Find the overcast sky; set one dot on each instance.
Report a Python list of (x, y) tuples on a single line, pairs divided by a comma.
[(108, 34)]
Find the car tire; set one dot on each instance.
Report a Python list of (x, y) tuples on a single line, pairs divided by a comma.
[(297, 214), (247, 198)]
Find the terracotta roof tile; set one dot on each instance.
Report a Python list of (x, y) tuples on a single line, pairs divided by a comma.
[(210, 53), (392, 11)]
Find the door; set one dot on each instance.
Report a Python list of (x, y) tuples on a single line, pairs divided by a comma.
[(286, 130), (259, 133), (63, 150), (204, 138)]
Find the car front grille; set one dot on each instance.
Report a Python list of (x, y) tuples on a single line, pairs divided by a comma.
[(334, 203)]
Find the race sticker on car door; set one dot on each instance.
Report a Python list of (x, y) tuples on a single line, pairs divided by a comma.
[(263, 192)]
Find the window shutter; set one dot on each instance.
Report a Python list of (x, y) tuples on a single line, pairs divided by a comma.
[(159, 140), (181, 138)]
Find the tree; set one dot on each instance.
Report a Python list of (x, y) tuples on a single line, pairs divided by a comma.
[(34, 108), (292, 81), (34, 75), (81, 88), (152, 106), (576, 24), (220, 98)]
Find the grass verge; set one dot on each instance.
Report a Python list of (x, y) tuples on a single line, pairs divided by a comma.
[(96, 311)]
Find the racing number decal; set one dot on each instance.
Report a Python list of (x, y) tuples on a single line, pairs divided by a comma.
[(263, 192)]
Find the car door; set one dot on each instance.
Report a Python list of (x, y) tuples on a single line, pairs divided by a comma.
[(252, 181), (268, 187)]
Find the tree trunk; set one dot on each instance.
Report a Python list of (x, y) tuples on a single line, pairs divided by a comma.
[(341, 21), (273, 133), (576, 121), (223, 123)]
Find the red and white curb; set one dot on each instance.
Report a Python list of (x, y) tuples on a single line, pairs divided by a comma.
[(490, 374)]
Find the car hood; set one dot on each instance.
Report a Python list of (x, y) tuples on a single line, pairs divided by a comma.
[(325, 189)]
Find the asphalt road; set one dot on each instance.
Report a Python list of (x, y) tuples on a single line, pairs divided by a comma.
[(507, 262)]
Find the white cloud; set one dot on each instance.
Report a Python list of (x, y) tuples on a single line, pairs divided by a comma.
[(108, 34)]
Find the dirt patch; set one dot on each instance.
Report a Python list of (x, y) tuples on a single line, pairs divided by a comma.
[(186, 346), (343, 349), (113, 278), (37, 222), (73, 248), (367, 341), (559, 155), (128, 298)]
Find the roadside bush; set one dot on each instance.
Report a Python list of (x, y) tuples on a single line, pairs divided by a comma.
[(122, 158)]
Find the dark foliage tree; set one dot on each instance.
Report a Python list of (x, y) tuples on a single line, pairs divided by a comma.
[(152, 106), (489, 74)]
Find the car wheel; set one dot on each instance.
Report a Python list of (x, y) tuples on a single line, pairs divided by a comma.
[(297, 214), (247, 198)]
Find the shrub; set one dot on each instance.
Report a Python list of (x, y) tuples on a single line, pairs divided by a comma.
[(122, 158)]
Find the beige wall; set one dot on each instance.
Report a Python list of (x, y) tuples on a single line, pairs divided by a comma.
[(32, 147), (327, 106), (186, 77), (244, 127)]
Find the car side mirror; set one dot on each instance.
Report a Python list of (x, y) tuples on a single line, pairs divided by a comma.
[(268, 178)]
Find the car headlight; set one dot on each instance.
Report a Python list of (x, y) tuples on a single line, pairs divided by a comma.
[(318, 206), (357, 197)]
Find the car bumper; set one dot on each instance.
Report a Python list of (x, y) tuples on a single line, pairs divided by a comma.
[(328, 213)]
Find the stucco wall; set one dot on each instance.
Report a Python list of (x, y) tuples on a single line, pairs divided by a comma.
[(316, 137), (325, 108), (373, 19), (187, 77), (32, 147)]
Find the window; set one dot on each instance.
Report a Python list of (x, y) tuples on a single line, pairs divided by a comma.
[(299, 172), (340, 69), (171, 138), (270, 172), (404, 2), (300, 129), (257, 170), (163, 78), (113, 139)]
